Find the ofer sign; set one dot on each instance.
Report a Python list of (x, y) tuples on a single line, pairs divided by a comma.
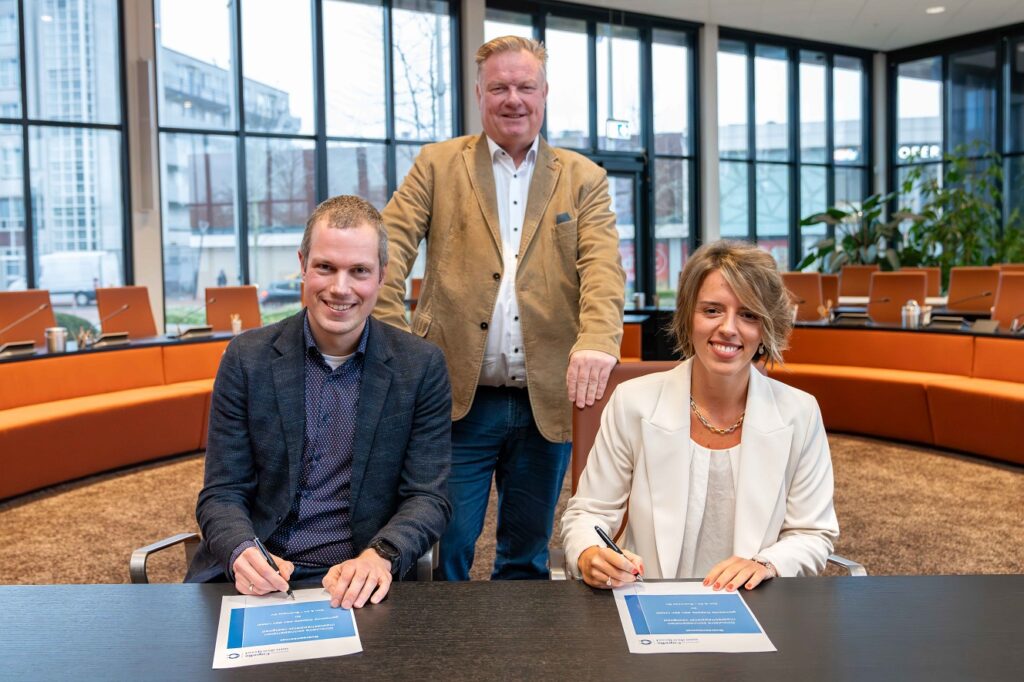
[(919, 151)]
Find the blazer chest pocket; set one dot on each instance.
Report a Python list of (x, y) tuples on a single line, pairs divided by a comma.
[(420, 324)]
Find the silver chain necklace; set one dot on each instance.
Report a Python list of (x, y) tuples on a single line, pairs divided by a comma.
[(714, 429)]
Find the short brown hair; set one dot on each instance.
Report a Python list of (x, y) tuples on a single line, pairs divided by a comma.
[(512, 44), (343, 211), (754, 278)]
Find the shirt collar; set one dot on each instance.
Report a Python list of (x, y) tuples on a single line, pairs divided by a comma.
[(531, 154), (310, 342)]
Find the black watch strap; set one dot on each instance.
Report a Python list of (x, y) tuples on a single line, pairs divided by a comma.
[(388, 551)]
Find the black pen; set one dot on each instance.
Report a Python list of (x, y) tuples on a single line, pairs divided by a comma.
[(615, 548), (270, 560)]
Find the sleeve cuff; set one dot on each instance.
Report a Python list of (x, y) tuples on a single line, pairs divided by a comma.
[(230, 570)]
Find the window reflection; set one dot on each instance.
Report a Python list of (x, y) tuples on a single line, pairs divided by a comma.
[(13, 272), (771, 103), (919, 110), (670, 55), (618, 88), (358, 168), (734, 203), (812, 107), (671, 224), (773, 211), (847, 110), (568, 108), (421, 54), (733, 140), (355, 96)]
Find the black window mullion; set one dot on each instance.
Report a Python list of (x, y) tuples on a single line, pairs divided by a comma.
[(28, 231), (320, 92), (455, 45), (389, 102), (830, 141), (751, 146), (793, 241), (240, 162), (644, 249), (592, 84)]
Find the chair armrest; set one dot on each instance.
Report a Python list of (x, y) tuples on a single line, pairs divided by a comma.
[(852, 567), (137, 564), (556, 564), (426, 564)]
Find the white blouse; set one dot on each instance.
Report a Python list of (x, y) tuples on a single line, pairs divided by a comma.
[(710, 511)]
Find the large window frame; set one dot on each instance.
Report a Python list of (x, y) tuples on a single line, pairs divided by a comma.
[(319, 138), (794, 163), (643, 161)]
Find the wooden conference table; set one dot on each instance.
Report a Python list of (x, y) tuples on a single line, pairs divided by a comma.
[(873, 628)]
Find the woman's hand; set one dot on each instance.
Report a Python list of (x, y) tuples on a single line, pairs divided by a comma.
[(605, 568), (736, 571)]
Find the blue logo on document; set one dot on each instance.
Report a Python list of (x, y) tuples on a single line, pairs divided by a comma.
[(233, 656), (646, 641)]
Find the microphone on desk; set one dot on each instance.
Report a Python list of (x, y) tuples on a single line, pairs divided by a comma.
[(32, 313), (117, 312), (965, 299), (1015, 324)]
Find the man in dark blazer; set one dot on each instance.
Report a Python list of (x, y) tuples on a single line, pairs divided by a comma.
[(330, 432)]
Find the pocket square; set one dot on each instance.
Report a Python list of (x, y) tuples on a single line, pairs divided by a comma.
[(562, 218)]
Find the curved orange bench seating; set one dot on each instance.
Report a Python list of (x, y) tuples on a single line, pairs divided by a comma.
[(68, 416), (956, 391)]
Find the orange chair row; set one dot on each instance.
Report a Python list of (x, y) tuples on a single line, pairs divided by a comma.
[(955, 391), (68, 416)]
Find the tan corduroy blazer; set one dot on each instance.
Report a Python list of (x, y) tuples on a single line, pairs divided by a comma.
[(569, 282)]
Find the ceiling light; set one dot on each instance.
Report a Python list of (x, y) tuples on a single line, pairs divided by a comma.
[(46, 18), (938, 9)]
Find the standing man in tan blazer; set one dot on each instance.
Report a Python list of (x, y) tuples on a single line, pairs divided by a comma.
[(523, 291)]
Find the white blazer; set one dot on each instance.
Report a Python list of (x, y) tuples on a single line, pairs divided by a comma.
[(641, 458)]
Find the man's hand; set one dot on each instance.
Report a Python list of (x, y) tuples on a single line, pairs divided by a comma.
[(253, 575), (352, 582), (588, 376)]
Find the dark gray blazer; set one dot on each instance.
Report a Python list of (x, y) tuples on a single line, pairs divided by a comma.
[(401, 450)]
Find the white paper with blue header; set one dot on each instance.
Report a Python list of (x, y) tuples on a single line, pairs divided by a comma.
[(274, 628), (686, 617)]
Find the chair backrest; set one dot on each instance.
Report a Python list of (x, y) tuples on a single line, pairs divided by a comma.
[(126, 309), (830, 290), (1010, 267), (890, 290), (855, 280), (1009, 299), (33, 305), (586, 422), (222, 302), (805, 292), (934, 279), (631, 347), (972, 289)]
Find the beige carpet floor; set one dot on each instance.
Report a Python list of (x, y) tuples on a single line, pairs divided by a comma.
[(903, 510)]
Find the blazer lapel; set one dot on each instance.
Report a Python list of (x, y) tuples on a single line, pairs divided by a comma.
[(289, 372), (764, 449), (481, 176), (542, 186), (666, 445), (372, 397)]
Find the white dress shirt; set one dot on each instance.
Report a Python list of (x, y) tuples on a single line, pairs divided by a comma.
[(504, 360)]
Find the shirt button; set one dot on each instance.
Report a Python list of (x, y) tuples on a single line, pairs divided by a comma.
[(515, 202), (514, 175), (517, 318), (496, 276), (483, 325), (516, 350)]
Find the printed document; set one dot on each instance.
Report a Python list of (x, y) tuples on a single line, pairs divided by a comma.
[(684, 617), (274, 628)]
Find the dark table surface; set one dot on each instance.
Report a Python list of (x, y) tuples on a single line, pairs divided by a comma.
[(875, 628)]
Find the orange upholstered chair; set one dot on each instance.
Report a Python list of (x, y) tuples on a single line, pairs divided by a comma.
[(890, 290), (830, 290), (1009, 307), (222, 302), (805, 292), (33, 309), (632, 337), (934, 279), (126, 309), (855, 280), (1010, 267), (972, 289)]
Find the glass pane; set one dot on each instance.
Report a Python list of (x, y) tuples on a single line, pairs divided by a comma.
[(623, 191), (771, 102), (1015, 128), (568, 107), (10, 71), (358, 168), (281, 186), (919, 110), (671, 224), (773, 211), (503, 23), (813, 199), (850, 190), (732, 101), (1015, 183), (848, 110), (618, 88), (812, 107), (355, 96), (421, 53), (78, 217), (972, 99), (195, 60), (72, 66), (734, 204), (670, 54), (199, 197), (405, 156), (913, 200), (13, 273), (278, 83)]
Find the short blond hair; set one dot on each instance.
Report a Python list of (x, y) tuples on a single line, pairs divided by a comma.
[(512, 44), (345, 211), (754, 277)]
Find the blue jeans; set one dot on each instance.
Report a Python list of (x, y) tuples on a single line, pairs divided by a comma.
[(499, 437)]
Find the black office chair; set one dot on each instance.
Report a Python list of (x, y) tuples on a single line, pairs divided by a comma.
[(424, 572)]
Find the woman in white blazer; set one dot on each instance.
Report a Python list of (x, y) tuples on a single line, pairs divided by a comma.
[(725, 473)]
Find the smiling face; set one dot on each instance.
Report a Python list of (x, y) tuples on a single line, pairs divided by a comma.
[(511, 90), (342, 277), (725, 333)]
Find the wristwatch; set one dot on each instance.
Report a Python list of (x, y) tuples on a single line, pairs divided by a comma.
[(772, 571), (388, 551)]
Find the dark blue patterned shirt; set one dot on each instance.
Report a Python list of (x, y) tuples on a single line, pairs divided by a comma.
[(317, 530)]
